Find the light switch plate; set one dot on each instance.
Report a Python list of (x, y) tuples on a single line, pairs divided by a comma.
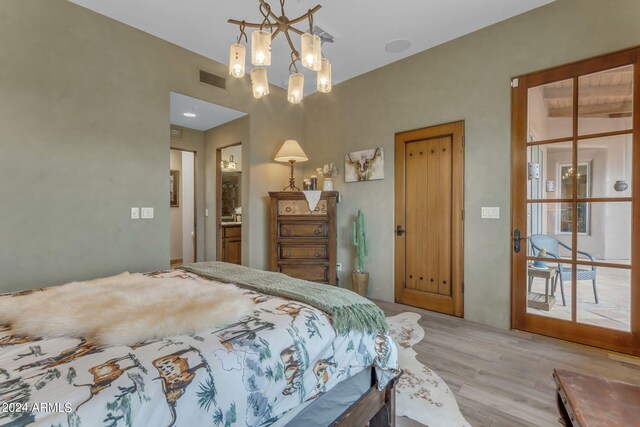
[(147, 213), (490, 213), (135, 213)]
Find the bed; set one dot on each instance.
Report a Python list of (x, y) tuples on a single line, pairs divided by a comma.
[(283, 365)]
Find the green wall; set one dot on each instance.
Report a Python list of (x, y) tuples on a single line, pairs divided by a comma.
[(465, 79), (84, 104)]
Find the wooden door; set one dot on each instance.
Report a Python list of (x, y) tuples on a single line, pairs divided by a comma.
[(429, 215), (575, 191)]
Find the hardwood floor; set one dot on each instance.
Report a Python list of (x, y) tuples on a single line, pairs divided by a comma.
[(503, 378)]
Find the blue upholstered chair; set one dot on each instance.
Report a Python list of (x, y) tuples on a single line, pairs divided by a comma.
[(552, 246)]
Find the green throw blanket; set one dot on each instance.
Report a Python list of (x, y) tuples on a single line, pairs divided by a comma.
[(349, 311)]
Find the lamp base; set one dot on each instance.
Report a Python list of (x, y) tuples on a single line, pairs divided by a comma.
[(292, 181)]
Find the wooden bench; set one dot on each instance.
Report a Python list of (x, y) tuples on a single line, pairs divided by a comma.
[(588, 401)]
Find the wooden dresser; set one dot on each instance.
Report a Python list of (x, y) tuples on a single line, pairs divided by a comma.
[(303, 243)]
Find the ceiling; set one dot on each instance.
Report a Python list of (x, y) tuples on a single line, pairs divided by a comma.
[(208, 115), (608, 94), (361, 28)]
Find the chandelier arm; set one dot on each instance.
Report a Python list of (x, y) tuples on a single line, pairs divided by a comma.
[(294, 51), (305, 16), (275, 33), (250, 24), (295, 30)]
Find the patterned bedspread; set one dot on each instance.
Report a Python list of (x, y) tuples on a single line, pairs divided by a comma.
[(247, 374)]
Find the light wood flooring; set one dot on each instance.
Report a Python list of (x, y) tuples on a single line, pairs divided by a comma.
[(503, 378)]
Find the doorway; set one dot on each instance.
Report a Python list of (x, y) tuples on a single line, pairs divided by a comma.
[(429, 179), (575, 182), (229, 203), (182, 207)]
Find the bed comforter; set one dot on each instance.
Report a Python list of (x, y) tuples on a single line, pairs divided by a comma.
[(247, 374)]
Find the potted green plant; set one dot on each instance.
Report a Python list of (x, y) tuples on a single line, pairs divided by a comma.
[(360, 278)]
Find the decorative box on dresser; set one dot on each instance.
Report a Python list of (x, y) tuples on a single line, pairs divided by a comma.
[(303, 242)]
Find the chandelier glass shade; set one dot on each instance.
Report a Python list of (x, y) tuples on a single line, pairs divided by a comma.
[(261, 48), (296, 88), (237, 59), (311, 47), (259, 82), (324, 76), (310, 54)]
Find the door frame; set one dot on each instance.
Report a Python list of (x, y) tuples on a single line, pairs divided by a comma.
[(195, 199), (625, 342), (450, 305), (219, 199)]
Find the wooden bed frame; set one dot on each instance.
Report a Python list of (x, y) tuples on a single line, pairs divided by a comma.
[(375, 407)]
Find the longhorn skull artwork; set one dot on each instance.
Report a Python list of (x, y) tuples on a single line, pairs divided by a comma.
[(364, 165)]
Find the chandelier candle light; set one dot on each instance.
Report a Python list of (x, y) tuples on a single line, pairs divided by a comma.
[(310, 55)]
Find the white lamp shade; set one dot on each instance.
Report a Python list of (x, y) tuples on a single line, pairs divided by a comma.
[(291, 151), (324, 77), (259, 82), (261, 48), (296, 88), (311, 47), (237, 58)]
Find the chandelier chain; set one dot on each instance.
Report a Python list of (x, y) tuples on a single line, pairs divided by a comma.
[(294, 57), (265, 10), (242, 33), (310, 22)]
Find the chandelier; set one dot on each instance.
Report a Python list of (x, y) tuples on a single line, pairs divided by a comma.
[(310, 54)]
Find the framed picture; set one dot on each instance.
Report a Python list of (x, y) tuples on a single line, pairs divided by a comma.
[(174, 189), (366, 165)]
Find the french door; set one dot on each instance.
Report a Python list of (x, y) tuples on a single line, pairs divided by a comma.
[(576, 202)]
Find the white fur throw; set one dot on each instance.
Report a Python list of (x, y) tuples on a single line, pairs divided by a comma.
[(125, 309)]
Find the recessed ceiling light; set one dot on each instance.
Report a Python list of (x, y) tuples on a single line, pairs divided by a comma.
[(190, 115), (397, 46)]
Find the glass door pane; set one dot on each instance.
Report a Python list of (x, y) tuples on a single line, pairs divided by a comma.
[(605, 101)]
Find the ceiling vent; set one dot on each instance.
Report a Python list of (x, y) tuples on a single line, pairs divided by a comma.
[(176, 133), (324, 35), (213, 80)]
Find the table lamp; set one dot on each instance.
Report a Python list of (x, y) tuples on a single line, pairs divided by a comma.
[(291, 152)]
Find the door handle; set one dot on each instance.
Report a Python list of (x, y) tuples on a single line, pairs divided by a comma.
[(400, 231), (516, 240)]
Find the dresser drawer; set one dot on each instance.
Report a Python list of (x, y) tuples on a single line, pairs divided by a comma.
[(288, 251), (232, 231), (302, 229), (312, 272), (300, 207)]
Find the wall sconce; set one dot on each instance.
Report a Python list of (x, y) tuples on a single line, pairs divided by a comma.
[(229, 164)]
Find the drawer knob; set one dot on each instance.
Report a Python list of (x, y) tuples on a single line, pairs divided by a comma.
[(288, 209), (288, 253), (317, 254), (287, 231), (317, 231)]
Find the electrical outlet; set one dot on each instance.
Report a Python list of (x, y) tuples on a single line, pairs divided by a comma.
[(135, 213), (339, 266), (490, 213)]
